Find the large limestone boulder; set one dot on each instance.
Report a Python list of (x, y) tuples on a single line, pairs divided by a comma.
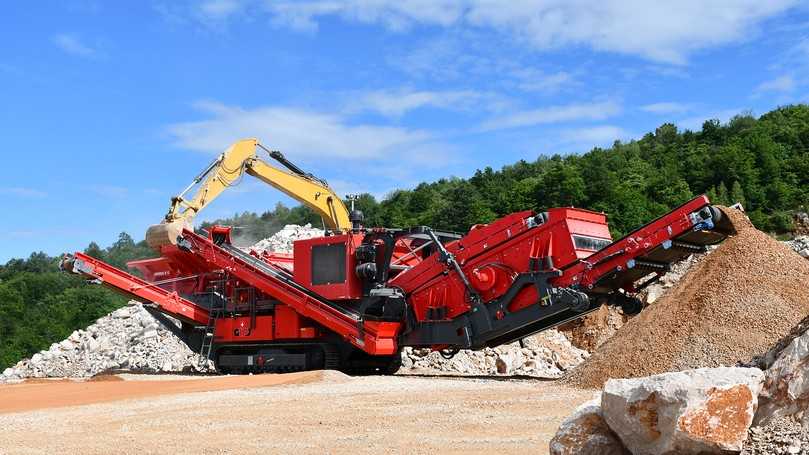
[(586, 433), (786, 384), (707, 410)]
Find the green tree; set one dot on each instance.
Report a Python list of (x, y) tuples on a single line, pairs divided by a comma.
[(737, 193), (561, 185)]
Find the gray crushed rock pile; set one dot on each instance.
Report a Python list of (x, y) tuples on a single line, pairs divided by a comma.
[(281, 241), (800, 244), (781, 436), (129, 339), (547, 355)]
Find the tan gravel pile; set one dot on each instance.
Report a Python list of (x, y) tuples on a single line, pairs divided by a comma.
[(595, 329), (731, 306)]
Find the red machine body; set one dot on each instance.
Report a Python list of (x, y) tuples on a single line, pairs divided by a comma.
[(353, 299), (322, 264)]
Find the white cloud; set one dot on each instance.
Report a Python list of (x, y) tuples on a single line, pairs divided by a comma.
[(71, 44), (23, 192), (666, 108), (555, 114), (601, 134), (299, 133), (344, 187), (537, 81), (660, 31), (394, 103), (332, 145), (784, 84), (220, 9), (395, 15)]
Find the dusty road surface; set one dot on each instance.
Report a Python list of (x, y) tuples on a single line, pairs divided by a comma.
[(311, 412)]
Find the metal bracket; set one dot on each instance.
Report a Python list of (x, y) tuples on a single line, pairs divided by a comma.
[(449, 259)]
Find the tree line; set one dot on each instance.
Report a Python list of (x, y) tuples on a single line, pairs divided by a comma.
[(762, 163)]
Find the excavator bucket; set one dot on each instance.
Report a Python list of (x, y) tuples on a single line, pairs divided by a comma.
[(159, 235)]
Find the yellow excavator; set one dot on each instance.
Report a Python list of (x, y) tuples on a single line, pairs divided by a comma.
[(227, 170)]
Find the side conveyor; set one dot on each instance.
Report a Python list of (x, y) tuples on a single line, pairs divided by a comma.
[(167, 302)]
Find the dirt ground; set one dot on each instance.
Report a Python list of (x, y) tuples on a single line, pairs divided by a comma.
[(311, 412)]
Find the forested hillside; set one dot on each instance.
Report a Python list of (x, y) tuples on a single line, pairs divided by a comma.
[(763, 163)]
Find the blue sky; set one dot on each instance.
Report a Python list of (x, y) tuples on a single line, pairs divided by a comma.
[(110, 108)]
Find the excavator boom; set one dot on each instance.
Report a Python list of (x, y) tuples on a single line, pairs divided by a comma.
[(227, 170)]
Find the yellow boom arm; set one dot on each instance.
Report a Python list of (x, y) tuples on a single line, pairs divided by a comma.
[(227, 170)]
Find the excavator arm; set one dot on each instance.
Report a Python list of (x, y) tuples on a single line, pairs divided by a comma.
[(227, 170)]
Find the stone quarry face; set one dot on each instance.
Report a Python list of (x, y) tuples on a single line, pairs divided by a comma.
[(586, 433), (708, 410)]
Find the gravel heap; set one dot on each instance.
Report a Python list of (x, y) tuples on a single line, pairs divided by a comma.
[(592, 330), (547, 355), (281, 241), (128, 339), (672, 277), (781, 436), (731, 306)]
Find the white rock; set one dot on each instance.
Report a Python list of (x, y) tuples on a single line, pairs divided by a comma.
[(505, 362), (120, 343), (282, 241), (586, 433), (121, 313), (786, 384), (548, 354), (91, 345), (708, 410), (36, 358), (654, 293)]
